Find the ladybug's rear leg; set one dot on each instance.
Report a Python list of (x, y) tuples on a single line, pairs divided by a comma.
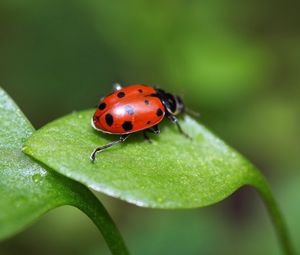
[(99, 149), (174, 120)]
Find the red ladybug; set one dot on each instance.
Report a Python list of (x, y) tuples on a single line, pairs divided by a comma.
[(132, 109)]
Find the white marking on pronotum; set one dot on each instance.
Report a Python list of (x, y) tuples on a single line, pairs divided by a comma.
[(117, 86)]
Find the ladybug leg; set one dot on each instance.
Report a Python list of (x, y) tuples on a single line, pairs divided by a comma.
[(99, 149), (117, 86), (155, 130), (174, 120), (147, 138)]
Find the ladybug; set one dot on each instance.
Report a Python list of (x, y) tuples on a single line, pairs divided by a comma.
[(132, 109)]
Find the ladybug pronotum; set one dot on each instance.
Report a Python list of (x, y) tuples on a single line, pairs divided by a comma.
[(132, 109)]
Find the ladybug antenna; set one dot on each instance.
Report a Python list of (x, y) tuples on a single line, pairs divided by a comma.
[(192, 112)]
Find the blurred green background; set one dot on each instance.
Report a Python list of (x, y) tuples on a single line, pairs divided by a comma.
[(237, 63)]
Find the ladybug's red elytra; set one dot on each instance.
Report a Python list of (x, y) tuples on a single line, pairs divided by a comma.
[(132, 109)]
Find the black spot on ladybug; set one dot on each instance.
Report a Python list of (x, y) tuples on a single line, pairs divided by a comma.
[(148, 122), (129, 109), (109, 119), (127, 125), (140, 90), (146, 102), (121, 94), (102, 106), (159, 112)]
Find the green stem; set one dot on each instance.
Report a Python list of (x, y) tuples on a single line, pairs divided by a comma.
[(262, 186), (92, 207)]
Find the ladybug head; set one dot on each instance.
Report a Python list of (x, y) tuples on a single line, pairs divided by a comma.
[(173, 104)]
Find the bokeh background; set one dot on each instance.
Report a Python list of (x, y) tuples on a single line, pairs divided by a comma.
[(235, 62)]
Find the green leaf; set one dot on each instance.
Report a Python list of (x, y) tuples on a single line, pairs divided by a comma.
[(172, 172), (29, 190)]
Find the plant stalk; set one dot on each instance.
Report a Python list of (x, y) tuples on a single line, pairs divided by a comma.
[(273, 209), (91, 206)]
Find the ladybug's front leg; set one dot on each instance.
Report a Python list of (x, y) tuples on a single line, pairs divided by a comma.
[(99, 149), (174, 120)]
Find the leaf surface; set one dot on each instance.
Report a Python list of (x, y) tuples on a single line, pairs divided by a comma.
[(171, 172)]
